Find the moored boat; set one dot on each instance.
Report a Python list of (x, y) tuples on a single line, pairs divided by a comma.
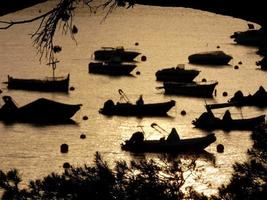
[(111, 68), (210, 58), (176, 74), (198, 89), (50, 84), (41, 110), (173, 143), (208, 121), (110, 53)]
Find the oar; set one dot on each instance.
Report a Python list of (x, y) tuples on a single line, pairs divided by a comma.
[(153, 125)]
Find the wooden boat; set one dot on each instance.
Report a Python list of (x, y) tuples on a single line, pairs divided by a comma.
[(258, 99), (138, 144), (129, 109), (177, 74), (208, 121), (111, 68), (52, 84), (198, 89), (110, 53), (41, 110), (210, 58)]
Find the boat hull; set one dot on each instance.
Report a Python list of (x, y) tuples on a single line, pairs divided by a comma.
[(233, 124), (176, 75), (183, 145), (111, 68), (210, 58), (127, 109), (190, 89), (115, 53), (41, 110), (49, 85)]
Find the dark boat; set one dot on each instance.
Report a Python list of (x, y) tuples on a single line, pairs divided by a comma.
[(41, 110), (198, 89), (258, 99), (111, 68), (110, 53), (208, 121), (262, 63), (250, 37), (173, 144), (210, 58), (176, 74), (51, 84)]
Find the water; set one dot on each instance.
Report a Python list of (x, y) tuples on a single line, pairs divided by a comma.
[(166, 36)]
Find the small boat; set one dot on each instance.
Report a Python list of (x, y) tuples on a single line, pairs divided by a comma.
[(110, 53), (173, 143), (111, 68), (210, 58), (138, 109), (49, 84), (251, 37), (258, 99), (41, 110), (208, 121), (177, 74), (198, 89), (262, 63)]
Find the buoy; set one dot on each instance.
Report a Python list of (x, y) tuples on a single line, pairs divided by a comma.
[(183, 112), (204, 80), (220, 148), (218, 47), (136, 44), (66, 165), (72, 88), (236, 67), (143, 58), (225, 94), (82, 136), (64, 148), (85, 117), (138, 73), (240, 63)]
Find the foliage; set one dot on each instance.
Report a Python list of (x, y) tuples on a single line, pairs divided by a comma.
[(62, 16), (146, 179), (249, 180)]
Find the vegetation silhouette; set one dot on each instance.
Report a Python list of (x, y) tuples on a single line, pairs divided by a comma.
[(146, 179)]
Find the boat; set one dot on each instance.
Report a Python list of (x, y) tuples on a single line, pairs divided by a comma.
[(138, 109), (258, 99), (251, 37), (176, 74), (210, 58), (262, 63), (111, 68), (208, 121), (110, 53), (198, 89), (49, 84), (41, 110), (173, 143)]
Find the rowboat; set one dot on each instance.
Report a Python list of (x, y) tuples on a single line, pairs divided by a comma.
[(49, 84)]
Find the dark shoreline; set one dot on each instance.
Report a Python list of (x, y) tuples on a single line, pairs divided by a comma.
[(9, 6)]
